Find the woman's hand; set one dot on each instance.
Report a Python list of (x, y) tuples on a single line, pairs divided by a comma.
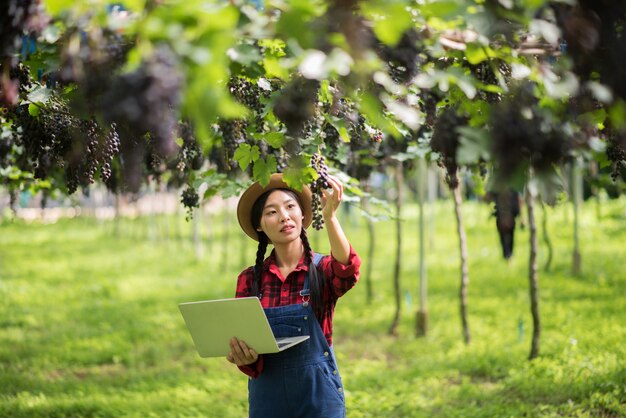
[(240, 354), (331, 199)]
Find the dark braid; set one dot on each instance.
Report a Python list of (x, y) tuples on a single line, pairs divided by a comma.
[(316, 279), (255, 214), (258, 266)]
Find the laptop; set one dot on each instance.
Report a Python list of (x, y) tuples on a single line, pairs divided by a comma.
[(212, 323)]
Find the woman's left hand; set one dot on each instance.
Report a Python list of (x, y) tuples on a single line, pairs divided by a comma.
[(331, 199)]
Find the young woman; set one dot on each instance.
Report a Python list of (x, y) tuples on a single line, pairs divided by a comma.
[(299, 297)]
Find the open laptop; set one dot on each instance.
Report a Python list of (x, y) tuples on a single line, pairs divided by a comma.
[(212, 323)]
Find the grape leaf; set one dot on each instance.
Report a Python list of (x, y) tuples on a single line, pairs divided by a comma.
[(246, 154), (263, 169)]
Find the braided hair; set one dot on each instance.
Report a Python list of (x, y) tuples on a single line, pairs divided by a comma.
[(316, 280)]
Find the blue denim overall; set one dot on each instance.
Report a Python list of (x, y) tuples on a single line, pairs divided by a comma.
[(302, 381)]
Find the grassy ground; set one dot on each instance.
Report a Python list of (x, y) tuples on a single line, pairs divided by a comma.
[(89, 324)]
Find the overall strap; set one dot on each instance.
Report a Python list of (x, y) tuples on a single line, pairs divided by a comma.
[(317, 258)]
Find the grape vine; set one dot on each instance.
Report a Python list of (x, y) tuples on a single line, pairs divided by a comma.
[(317, 187)]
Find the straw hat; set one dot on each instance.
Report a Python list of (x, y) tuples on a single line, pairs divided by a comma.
[(247, 199)]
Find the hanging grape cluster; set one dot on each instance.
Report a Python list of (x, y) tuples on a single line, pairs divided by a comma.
[(147, 100), (55, 138), (616, 153), (317, 187), (297, 105), (251, 95), (403, 60), (522, 138), (233, 133), (361, 154), (92, 65), (484, 72), (445, 142), (190, 200), (190, 154)]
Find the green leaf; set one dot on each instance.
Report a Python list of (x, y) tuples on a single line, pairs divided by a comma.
[(246, 154), (477, 53), (443, 9), (54, 7), (593, 118), (294, 22), (372, 109), (231, 188), (340, 125), (274, 69), (390, 21), (299, 172), (617, 115), (33, 110), (274, 139), (263, 169)]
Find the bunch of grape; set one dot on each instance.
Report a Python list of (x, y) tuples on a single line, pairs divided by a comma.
[(363, 151), (332, 140), (247, 93), (317, 186), (56, 139), (297, 104), (445, 142), (616, 153), (91, 59), (92, 148), (522, 138), (485, 74), (403, 59), (147, 100), (190, 200), (190, 154), (233, 134)]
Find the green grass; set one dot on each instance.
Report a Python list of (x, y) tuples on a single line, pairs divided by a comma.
[(89, 324)]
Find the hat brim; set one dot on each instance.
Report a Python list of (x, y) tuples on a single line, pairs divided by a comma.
[(247, 199)]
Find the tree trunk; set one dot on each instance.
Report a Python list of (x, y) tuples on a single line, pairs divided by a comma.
[(464, 264), (577, 181), (593, 174), (118, 215), (367, 277), (196, 238), (533, 276), (396, 272), (433, 190), (546, 237), (225, 238), (13, 201), (421, 325)]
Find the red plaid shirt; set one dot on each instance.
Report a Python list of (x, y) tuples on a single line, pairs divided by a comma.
[(277, 290)]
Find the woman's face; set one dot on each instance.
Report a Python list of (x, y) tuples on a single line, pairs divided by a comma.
[(281, 218)]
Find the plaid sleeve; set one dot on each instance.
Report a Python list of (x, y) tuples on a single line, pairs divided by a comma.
[(244, 282), (343, 277), (253, 370)]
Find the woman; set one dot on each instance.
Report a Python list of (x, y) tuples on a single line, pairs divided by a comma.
[(299, 297)]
